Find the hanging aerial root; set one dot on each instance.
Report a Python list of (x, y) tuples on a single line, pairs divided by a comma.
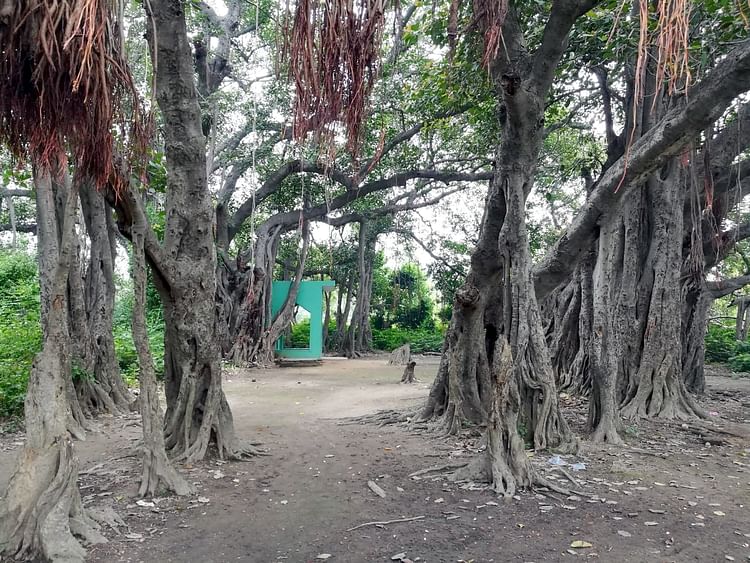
[(66, 85), (333, 52)]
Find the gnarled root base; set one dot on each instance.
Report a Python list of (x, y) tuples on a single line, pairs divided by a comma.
[(97, 398), (193, 427), (159, 474), (606, 433), (42, 510), (661, 393)]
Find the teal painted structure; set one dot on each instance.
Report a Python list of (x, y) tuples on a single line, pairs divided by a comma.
[(309, 296)]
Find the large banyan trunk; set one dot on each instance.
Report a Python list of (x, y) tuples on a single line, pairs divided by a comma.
[(657, 388), (461, 392), (41, 509), (52, 205), (522, 384), (343, 309), (198, 415), (103, 390), (638, 309), (498, 302), (283, 318), (252, 331)]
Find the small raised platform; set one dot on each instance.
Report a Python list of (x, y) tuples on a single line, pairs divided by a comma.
[(298, 362)]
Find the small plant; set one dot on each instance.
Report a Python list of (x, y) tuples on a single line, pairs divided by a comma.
[(720, 344)]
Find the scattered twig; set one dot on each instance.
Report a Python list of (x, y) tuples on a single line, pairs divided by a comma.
[(376, 489), (385, 522), (437, 468), (568, 475)]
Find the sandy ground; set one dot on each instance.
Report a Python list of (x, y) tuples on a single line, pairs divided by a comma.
[(667, 497)]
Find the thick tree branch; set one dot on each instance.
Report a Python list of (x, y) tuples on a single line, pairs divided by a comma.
[(351, 194), (391, 208), (16, 193), (20, 228), (708, 100), (716, 249), (563, 15), (725, 287)]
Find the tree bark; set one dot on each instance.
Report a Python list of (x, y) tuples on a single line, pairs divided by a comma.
[(41, 510), (158, 471), (356, 340), (408, 375), (198, 415), (104, 390), (656, 388), (498, 300), (696, 302)]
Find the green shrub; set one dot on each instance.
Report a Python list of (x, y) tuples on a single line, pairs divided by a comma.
[(720, 344), (421, 340), (127, 356), (740, 362), (20, 329), (300, 337)]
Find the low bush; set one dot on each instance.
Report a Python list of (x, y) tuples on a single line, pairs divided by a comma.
[(721, 347), (720, 344), (420, 340), (127, 357), (20, 329)]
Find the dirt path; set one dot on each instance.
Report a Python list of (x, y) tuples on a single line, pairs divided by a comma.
[(298, 502)]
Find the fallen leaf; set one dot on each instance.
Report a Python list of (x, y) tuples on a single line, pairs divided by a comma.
[(398, 556), (580, 544), (719, 513), (624, 534), (324, 556)]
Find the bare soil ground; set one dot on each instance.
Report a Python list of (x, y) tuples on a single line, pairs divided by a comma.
[(669, 496)]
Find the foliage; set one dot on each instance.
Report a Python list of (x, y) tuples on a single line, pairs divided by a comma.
[(420, 340), (740, 362), (300, 335), (721, 347), (127, 356), (20, 329), (720, 344), (407, 301)]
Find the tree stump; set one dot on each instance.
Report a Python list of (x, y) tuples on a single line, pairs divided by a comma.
[(408, 376), (400, 356)]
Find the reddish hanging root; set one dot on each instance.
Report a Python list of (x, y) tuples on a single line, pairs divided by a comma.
[(65, 87), (488, 18), (672, 42), (333, 59)]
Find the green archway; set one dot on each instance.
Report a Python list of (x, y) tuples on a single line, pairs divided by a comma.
[(310, 297)]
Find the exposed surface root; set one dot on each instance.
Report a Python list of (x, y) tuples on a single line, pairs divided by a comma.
[(381, 418)]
